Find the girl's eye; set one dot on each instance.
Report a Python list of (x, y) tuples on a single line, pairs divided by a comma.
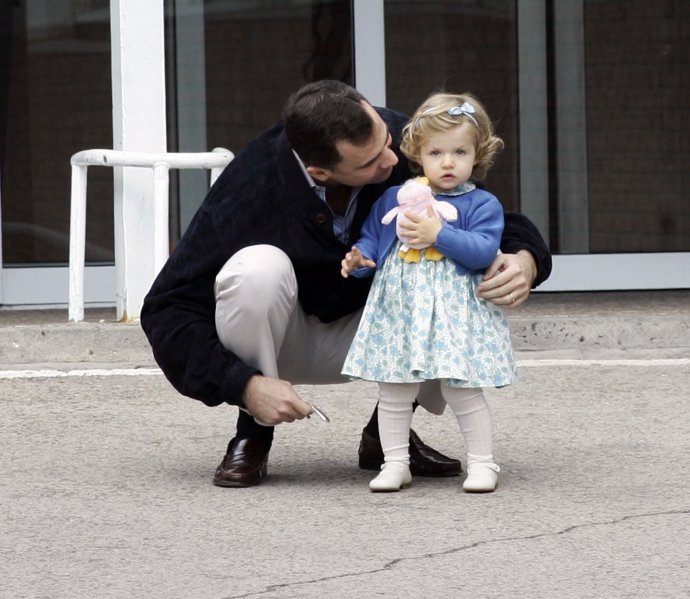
[(460, 152)]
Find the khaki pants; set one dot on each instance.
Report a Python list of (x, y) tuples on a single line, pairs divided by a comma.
[(259, 318)]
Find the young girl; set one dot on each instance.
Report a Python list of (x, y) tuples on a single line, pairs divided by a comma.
[(423, 322)]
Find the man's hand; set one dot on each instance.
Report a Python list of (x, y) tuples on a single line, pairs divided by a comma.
[(507, 282), (272, 401), (354, 260)]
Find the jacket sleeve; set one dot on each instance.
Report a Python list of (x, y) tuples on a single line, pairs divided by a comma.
[(370, 242), (520, 233), (178, 318)]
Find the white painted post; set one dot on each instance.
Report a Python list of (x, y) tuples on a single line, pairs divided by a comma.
[(161, 186), (370, 50), (138, 78), (77, 242)]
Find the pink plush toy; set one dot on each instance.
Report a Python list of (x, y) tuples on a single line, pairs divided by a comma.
[(415, 197)]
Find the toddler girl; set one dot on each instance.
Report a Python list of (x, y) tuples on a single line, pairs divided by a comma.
[(427, 243)]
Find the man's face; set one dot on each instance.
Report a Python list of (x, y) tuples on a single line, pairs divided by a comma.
[(372, 162)]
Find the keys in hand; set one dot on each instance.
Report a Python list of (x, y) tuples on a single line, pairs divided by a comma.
[(318, 412)]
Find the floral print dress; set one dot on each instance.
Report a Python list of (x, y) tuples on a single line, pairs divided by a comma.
[(424, 321)]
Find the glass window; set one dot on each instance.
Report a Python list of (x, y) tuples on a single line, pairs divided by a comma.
[(618, 97), (55, 100), (638, 119), (253, 55), (459, 46)]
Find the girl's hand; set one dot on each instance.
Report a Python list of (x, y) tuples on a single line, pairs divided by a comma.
[(354, 260), (421, 230)]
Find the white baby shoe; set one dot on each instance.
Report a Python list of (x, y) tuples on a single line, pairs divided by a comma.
[(481, 477), (393, 477)]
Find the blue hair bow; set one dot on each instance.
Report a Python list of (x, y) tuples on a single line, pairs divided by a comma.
[(465, 110)]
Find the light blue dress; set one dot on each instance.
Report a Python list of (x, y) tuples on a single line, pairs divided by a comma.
[(424, 321)]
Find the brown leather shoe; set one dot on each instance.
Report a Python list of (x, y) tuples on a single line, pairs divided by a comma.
[(424, 460), (244, 465)]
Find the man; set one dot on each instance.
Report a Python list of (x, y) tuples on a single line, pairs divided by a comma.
[(251, 301)]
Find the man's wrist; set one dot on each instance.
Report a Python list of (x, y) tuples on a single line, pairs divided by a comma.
[(529, 265)]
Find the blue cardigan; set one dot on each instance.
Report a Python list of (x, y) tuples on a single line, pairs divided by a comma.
[(471, 241)]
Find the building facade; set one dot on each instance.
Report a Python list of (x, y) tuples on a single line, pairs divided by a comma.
[(592, 99)]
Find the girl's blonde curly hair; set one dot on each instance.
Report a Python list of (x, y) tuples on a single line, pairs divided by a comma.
[(441, 112)]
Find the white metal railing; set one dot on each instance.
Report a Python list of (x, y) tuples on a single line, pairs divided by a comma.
[(158, 244)]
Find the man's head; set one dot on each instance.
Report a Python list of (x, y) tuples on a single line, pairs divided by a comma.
[(338, 135)]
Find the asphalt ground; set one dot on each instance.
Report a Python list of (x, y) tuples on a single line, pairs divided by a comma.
[(106, 476)]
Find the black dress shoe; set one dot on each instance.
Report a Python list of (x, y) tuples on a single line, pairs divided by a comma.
[(244, 465), (424, 460)]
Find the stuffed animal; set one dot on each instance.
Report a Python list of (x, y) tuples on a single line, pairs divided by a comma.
[(416, 197)]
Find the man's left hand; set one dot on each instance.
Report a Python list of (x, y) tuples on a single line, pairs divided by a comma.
[(507, 282)]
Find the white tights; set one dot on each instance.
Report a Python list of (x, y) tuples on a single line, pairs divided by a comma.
[(468, 405)]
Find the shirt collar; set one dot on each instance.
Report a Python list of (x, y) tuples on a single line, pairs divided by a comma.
[(460, 189), (319, 189)]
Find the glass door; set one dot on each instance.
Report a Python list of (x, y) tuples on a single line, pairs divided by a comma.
[(232, 65), (591, 99), (621, 87), (55, 100), (590, 96)]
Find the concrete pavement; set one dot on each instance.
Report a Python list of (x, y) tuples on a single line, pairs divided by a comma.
[(564, 324), (106, 489)]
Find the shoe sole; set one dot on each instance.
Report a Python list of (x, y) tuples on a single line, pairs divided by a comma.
[(480, 490), (236, 484), (408, 485), (243, 483)]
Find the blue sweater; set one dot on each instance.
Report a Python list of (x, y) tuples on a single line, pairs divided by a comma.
[(471, 240)]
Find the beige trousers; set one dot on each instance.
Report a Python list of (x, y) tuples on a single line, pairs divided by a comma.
[(259, 318)]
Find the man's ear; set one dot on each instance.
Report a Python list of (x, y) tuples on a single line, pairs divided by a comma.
[(319, 174)]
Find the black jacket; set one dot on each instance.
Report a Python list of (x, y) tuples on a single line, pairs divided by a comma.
[(262, 197)]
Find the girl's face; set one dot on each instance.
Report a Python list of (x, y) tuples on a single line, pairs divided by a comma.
[(448, 158)]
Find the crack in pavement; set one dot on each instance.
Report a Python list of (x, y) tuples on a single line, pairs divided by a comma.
[(391, 564)]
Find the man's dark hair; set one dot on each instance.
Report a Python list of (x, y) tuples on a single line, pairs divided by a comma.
[(319, 115)]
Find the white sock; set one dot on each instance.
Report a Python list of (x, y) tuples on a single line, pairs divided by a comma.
[(472, 413), (395, 419)]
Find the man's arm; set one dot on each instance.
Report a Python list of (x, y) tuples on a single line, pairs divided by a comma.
[(203, 369), (525, 263), (179, 322)]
